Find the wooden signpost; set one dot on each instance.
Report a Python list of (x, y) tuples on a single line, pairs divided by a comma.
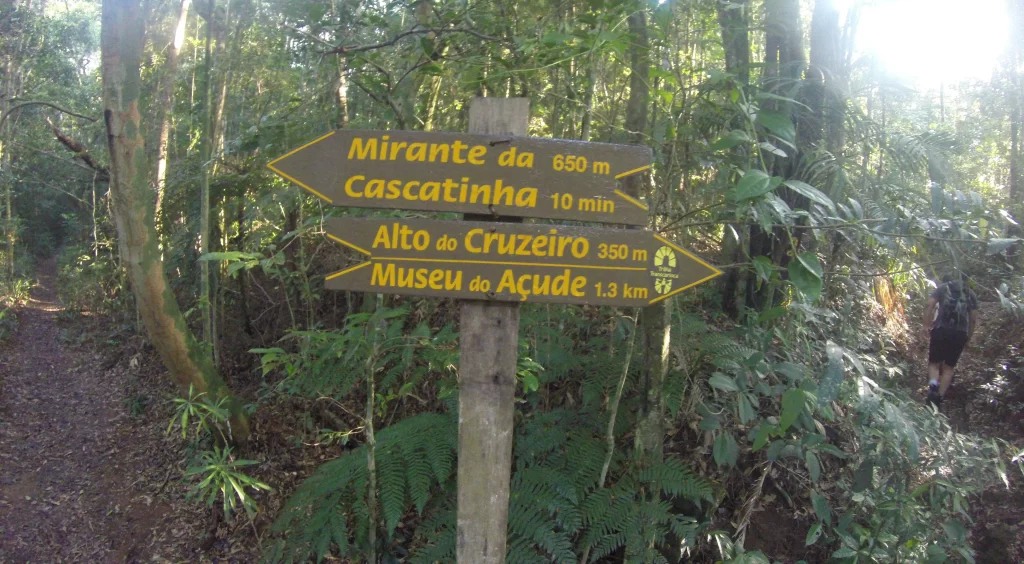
[(504, 175), (494, 175), (514, 262)]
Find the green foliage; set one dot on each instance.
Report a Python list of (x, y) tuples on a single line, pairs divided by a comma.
[(221, 475), (1012, 301), (14, 291), (8, 323), (88, 282), (332, 363), (415, 458), (203, 416)]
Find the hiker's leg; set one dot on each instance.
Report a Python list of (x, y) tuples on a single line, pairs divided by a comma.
[(946, 380), (934, 371)]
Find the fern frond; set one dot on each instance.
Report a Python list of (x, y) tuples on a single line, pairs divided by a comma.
[(391, 480), (676, 480), (330, 508), (438, 530)]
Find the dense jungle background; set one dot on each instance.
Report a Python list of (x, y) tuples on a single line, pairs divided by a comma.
[(176, 384)]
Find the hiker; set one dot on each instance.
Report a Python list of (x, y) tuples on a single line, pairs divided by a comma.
[(949, 330)]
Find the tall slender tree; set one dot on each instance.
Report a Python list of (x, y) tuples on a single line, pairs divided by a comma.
[(165, 106), (189, 364)]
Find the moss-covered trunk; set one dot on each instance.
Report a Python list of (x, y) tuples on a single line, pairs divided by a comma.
[(123, 38)]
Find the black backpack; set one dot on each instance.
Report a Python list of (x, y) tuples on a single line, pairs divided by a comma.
[(954, 309)]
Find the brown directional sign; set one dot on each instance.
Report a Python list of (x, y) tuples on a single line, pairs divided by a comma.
[(514, 262), (478, 174)]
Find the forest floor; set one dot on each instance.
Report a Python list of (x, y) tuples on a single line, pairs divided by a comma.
[(87, 471)]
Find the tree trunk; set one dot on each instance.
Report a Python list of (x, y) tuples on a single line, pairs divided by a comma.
[(341, 93), (783, 68), (654, 328), (588, 98), (823, 116), (122, 44), (165, 109), (205, 152), (733, 18), (1016, 117)]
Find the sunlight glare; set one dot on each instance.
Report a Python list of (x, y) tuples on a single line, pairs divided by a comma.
[(933, 41)]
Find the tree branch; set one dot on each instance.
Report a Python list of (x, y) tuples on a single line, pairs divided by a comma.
[(353, 49), (80, 152), (3, 118), (307, 34)]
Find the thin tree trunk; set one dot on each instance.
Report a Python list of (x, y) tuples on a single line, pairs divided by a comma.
[(734, 21), (123, 42), (95, 230), (205, 152), (165, 108), (588, 98), (218, 122), (342, 94), (653, 329)]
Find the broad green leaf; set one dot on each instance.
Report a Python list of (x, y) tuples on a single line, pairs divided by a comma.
[(231, 255), (555, 38), (530, 382), (812, 193), (813, 440), (813, 534), (753, 184), (709, 423), (864, 475), (772, 149), (793, 402), (795, 372), (805, 273), (858, 210), (821, 507), (813, 465), (763, 434), (935, 555), (996, 246), (778, 123), (955, 530), (772, 314), (828, 390), (730, 140), (764, 268), (725, 450), (723, 382), (746, 411), (844, 552)]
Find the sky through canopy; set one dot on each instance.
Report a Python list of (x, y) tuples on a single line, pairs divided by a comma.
[(928, 42)]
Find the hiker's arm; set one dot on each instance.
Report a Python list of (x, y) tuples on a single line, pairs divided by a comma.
[(929, 314), (973, 322)]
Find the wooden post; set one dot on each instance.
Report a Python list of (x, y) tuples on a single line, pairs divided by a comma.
[(487, 384)]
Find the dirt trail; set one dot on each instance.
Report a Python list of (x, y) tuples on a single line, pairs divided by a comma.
[(64, 494), (987, 399)]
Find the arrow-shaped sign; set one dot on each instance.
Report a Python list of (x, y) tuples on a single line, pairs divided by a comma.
[(514, 262), (478, 174)]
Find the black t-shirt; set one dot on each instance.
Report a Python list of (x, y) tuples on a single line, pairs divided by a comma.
[(968, 303)]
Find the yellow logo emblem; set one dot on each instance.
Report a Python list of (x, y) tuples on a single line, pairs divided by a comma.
[(664, 262), (665, 255)]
